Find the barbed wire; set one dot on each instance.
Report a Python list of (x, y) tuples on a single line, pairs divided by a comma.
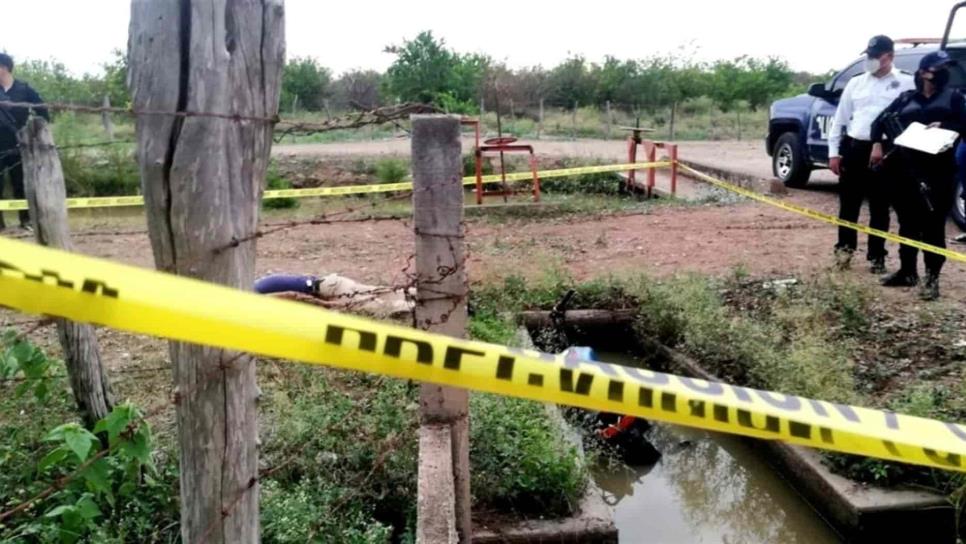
[(359, 119), (408, 281)]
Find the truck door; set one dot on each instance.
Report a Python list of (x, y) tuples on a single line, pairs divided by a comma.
[(820, 118)]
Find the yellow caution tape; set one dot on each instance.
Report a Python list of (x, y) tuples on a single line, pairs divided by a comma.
[(38, 280), (814, 214), (117, 201)]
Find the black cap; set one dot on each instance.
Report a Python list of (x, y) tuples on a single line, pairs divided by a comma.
[(936, 59), (879, 45)]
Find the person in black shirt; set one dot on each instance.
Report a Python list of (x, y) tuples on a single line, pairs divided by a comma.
[(922, 184), (11, 120)]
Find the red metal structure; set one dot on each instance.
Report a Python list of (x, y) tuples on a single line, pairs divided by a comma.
[(650, 155), (501, 145)]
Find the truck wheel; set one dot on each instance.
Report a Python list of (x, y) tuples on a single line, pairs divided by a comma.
[(788, 161), (959, 208)]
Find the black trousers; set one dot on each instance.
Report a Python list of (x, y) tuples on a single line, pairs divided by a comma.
[(856, 184), (10, 166), (916, 220)]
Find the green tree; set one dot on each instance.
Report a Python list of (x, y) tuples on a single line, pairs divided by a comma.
[(114, 81), (569, 82), (750, 80), (307, 79), (358, 89), (55, 83), (426, 71)]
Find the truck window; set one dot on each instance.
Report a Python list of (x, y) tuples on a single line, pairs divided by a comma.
[(847, 74), (908, 63)]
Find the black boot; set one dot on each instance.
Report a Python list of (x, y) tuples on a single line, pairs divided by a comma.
[(930, 289), (901, 278)]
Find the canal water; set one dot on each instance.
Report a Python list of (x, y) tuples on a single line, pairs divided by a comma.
[(706, 488)]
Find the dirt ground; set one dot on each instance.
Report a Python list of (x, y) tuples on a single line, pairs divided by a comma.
[(662, 240)]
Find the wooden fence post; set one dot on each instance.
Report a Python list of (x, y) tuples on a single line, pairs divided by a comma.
[(540, 123), (573, 120), (47, 199), (441, 287), (202, 179), (106, 118), (610, 119)]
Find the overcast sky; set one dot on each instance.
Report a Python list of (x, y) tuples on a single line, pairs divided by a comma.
[(813, 35)]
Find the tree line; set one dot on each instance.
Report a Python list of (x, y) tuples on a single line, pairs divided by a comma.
[(426, 70)]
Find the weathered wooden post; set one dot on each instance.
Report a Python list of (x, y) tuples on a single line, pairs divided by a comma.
[(441, 292), (540, 123), (202, 178), (47, 198), (610, 119), (573, 121), (106, 118)]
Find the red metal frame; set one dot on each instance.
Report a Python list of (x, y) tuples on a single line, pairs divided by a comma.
[(501, 145), (650, 153)]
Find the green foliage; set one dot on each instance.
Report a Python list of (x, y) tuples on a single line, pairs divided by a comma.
[(114, 81), (104, 171), (307, 79), (355, 468), (754, 81), (520, 462), (426, 71), (115, 491), (20, 359), (391, 170), (312, 511), (357, 88), (489, 326), (570, 83), (933, 401), (275, 182)]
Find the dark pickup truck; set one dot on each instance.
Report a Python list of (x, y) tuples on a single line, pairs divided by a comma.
[(798, 127)]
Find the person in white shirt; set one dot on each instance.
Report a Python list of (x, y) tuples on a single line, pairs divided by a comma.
[(864, 98)]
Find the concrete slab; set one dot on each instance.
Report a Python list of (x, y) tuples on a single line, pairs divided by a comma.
[(860, 512)]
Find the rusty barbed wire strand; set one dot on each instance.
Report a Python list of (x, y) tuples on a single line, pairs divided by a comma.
[(360, 119)]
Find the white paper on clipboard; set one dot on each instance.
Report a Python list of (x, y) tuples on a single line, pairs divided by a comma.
[(928, 140)]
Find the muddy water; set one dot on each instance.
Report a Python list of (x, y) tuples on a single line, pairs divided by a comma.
[(706, 488)]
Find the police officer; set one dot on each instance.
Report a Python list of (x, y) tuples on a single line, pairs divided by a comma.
[(13, 119), (864, 98), (923, 184)]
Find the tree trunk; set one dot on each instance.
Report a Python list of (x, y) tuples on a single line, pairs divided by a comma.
[(202, 179), (47, 199), (441, 287)]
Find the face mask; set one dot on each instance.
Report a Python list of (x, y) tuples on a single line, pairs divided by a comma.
[(872, 65), (940, 78)]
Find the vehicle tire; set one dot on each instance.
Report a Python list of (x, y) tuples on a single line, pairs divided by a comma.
[(788, 161), (959, 208)]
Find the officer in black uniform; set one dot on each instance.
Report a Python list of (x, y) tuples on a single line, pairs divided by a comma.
[(922, 184), (13, 119)]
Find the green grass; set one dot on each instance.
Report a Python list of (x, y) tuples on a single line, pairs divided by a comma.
[(391, 170), (341, 446), (802, 340)]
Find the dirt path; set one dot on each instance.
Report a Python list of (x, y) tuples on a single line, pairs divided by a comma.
[(662, 240)]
